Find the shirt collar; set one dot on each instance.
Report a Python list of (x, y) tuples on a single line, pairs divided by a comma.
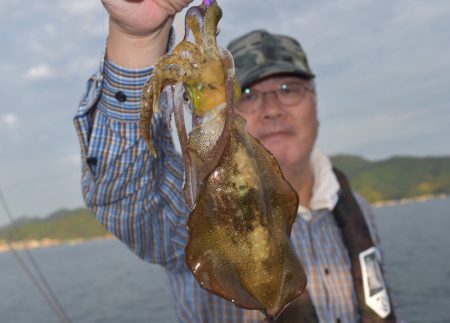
[(325, 192)]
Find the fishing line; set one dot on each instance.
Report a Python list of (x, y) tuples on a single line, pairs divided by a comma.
[(39, 282)]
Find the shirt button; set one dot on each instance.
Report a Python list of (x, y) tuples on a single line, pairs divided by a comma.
[(91, 161), (120, 96), (307, 216)]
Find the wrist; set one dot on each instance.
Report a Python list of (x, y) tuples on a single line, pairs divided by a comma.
[(136, 51)]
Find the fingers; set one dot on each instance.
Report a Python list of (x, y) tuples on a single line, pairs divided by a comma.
[(173, 6)]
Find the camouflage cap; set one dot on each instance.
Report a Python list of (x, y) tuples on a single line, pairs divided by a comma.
[(260, 54)]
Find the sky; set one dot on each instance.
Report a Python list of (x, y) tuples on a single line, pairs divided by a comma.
[(382, 67)]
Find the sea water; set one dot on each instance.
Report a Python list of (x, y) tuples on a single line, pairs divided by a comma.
[(416, 244), (102, 281)]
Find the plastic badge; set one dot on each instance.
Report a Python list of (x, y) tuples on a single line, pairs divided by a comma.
[(375, 292)]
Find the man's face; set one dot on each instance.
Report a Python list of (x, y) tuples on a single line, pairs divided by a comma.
[(286, 130)]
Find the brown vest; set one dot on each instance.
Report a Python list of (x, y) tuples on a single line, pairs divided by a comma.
[(357, 239)]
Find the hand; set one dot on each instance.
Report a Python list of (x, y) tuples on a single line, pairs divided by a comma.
[(142, 18), (139, 29)]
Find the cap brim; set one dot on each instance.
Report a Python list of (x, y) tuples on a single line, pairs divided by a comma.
[(261, 72)]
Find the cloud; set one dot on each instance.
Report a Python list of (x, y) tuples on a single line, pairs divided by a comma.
[(419, 13), (9, 120), (41, 71), (5, 6), (71, 159), (43, 137), (80, 7)]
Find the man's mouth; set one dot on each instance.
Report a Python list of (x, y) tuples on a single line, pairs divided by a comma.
[(274, 134)]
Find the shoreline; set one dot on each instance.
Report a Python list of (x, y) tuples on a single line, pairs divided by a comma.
[(44, 243), (410, 200), (47, 243)]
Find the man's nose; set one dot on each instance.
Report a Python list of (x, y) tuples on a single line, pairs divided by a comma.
[(271, 107)]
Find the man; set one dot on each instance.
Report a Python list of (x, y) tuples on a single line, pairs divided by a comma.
[(140, 199)]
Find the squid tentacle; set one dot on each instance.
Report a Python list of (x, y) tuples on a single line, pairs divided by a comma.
[(149, 105), (194, 22), (212, 17), (168, 71), (190, 191)]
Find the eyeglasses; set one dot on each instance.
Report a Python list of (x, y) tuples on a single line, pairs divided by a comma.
[(287, 94)]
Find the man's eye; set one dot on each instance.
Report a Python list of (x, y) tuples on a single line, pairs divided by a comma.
[(285, 88), (248, 95)]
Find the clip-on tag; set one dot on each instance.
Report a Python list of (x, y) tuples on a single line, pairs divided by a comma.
[(375, 292)]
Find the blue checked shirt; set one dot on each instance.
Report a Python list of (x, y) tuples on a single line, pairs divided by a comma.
[(139, 199)]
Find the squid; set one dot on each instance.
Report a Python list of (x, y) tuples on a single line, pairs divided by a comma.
[(241, 207)]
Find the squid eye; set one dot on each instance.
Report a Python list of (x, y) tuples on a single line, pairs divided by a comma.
[(186, 97)]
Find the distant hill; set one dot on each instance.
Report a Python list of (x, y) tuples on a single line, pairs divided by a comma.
[(63, 225), (391, 179), (397, 177)]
